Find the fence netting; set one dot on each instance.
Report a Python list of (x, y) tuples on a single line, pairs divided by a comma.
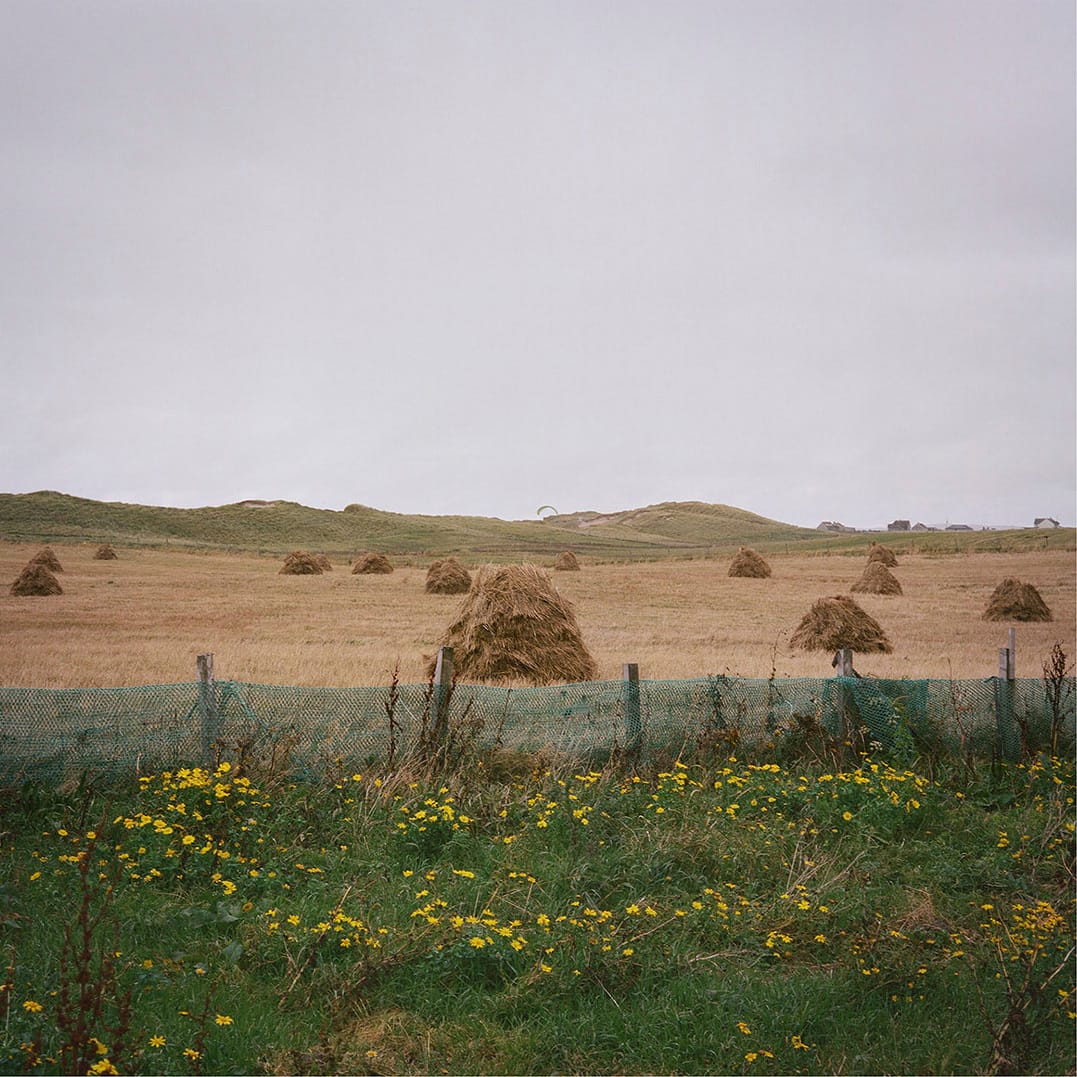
[(58, 735)]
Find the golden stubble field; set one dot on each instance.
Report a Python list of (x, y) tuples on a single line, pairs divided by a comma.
[(143, 618)]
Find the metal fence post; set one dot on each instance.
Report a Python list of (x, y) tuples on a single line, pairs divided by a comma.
[(1004, 696), (207, 706), (633, 723)]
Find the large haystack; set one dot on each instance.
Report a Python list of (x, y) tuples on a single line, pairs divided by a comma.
[(36, 580), (1017, 601), (883, 554), (566, 562), (514, 625), (300, 563), (837, 622), (105, 553), (749, 564), (323, 562), (372, 563), (877, 579), (45, 556), (447, 577)]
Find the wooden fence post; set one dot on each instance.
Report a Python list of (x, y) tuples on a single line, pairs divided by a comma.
[(1004, 693), (207, 706), (442, 694), (843, 667), (633, 724)]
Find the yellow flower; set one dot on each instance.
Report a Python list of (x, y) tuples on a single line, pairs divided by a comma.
[(157, 1041), (847, 815), (191, 1053), (223, 1019), (30, 1006), (102, 1065), (744, 1028)]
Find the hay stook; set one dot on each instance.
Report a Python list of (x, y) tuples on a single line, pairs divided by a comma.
[(566, 562), (372, 564), (36, 580), (1013, 600), (877, 579), (882, 554), (300, 563), (837, 622), (447, 577), (515, 626), (748, 564), (105, 553), (323, 562), (45, 556)]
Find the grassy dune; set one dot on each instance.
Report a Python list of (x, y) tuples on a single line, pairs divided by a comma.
[(670, 529)]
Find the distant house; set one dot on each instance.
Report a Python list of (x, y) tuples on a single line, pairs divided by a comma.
[(898, 525), (833, 525), (1046, 521), (922, 527), (959, 527)]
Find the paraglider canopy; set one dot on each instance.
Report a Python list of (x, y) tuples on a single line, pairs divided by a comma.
[(545, 508)]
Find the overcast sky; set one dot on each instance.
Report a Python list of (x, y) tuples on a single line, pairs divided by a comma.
[(813, 259)]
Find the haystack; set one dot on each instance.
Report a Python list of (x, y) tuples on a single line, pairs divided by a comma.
[(300, 563), (36, 580), (45, 556), (883, 554), (323, 562), (566, 562), (105, 553), (1017, 601), (376, 563), (447, 577), (833, 623), (515, 625), (877, 579), (749, 564)]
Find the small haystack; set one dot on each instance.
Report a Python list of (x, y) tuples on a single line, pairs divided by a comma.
[(300, 563), (748, 563), (447, 577), (883, 554), (1017, 601), (36, 580), (514, 625), (45, 556), (833, 623), (324, 563), (372, 563), (105, 553), (566, 562), (877, 579)]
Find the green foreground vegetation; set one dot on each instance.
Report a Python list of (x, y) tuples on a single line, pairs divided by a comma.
[(789, 913), (672, 529)]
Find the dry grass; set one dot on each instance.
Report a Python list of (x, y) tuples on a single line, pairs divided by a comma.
[(144, 618)]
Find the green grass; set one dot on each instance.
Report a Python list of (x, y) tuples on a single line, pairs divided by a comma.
[(671, 529), (717, 916)]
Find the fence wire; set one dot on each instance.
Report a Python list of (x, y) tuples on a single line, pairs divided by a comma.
[(54, 736)]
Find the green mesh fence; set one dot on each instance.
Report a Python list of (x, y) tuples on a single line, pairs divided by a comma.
[(56, 735)]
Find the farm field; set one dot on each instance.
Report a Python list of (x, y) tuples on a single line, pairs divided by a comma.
[(142, 619)]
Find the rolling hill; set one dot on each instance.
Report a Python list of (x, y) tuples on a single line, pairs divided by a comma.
[(669, 529)]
